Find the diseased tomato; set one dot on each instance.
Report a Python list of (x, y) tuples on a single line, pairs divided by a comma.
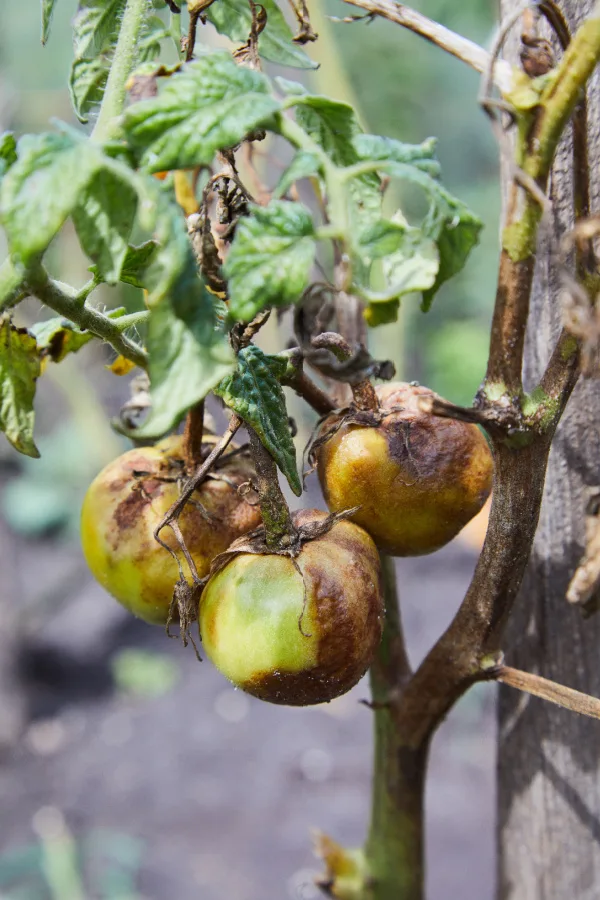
[(417, 478), (125, 503), (297, 631)]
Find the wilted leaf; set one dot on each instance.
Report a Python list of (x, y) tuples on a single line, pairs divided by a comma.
[(270, 259), (210, 105), (121, 366), (19, 369), (253, 391), (57, 337), (233, 18)]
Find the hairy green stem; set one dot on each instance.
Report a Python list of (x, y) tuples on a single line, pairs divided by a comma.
[(64, 301), (12, 287), (334, 181), (107, 126), (394, 848)]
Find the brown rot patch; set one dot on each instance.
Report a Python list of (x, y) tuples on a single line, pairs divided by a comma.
[(130, 510), (295, 688)]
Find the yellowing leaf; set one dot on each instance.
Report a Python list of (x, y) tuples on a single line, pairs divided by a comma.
[(19, 369), (121, 366)]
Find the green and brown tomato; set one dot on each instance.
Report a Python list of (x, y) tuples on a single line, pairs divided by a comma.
[(299, 631), (124, 505), (417, 478)]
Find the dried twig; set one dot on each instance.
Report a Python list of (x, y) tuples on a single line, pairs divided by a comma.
[(467, 51)]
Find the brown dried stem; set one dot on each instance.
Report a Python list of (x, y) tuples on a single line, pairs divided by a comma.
[(472, 54), (548, 690), (190, 486), (192, 437), (363, 391), (299, 381)]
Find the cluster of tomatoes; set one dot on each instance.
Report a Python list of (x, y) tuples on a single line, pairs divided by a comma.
[(303, 628)]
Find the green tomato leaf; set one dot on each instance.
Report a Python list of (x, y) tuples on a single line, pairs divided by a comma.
[(233, 18), (270, 259), (410, 259), (47, 11), (43, 187), (210, 105), (86, 85), (455, 229), (136, 262), (187, 359), (57, 175), (421, 156), (303, 165), (96, 24), (153, 33), (334, 127), (58, 337), (253, 391), (448, 223), (412, 268), (8, 151), (103, 219), (19, 369), (188, 356)]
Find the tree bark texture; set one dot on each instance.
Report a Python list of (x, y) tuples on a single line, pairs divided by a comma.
[(549, 758)]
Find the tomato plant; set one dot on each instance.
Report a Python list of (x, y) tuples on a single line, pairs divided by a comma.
[(163, 186)]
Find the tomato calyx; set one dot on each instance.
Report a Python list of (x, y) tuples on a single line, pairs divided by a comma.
[(255, 541)]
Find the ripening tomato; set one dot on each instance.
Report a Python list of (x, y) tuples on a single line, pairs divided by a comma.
[(125, 503), (297, 631), (417, 478)]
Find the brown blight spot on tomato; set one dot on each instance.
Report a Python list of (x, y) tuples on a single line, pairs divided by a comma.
[(417, 478), (126, 502), (297, 631)]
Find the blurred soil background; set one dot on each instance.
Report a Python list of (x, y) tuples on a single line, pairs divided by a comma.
[(128, 769)]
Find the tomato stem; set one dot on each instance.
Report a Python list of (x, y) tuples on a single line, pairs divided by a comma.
[(280, 531), (192, 437)]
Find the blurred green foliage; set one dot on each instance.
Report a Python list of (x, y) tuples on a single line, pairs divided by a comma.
[(410, 90), (143, 672), (103, 864)]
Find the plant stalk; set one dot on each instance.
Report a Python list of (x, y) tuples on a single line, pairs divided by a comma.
[(394, 848), (279, 528), (64, 301), (12, 288), (107, 126)]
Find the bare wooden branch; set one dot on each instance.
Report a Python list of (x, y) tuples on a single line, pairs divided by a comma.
[(454, 44), (563, 696)]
